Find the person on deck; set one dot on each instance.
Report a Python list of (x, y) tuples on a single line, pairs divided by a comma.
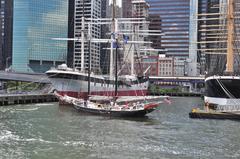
[(206, 106)]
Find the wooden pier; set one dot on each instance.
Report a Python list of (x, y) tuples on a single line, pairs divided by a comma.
[(11, 99), (203, 114)]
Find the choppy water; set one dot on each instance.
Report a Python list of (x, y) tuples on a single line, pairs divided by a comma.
[(47, 131)]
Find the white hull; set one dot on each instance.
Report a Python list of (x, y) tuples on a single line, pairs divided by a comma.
[(74, 84), (221, 101)]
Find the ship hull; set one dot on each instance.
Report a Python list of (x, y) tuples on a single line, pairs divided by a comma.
[(136, 113), (222, 90), (76, 85), (115, 110)]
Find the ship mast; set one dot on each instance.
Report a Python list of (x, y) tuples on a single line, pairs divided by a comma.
[(82, 37), (230, 30), (114, 26), (113, 30)]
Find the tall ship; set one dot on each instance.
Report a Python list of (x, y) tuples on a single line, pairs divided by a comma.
[(223, 87), (74, 83)]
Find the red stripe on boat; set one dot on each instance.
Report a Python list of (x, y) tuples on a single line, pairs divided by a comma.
[(151, 105)]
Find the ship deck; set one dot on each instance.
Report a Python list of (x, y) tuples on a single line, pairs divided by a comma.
[(129, 98)]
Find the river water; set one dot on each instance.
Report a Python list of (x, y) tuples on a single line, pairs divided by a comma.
[(49, 131)]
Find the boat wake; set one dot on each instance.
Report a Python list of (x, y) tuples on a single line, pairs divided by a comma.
[(31, 109)]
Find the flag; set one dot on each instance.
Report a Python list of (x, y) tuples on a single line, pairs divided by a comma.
[(115, 44), (125, 39)]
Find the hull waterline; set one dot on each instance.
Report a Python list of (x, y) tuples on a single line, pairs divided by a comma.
[(135, 113)]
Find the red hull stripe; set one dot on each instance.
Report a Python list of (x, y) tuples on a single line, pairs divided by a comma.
[(105, 93), (151, 106)]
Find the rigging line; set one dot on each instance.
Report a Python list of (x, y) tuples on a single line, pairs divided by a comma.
[(125, 61), (221, 45), (224, 89), (127, 55), (130, 69)]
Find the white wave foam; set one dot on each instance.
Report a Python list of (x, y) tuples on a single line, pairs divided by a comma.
[(44, 104), (7, 135), (36, 140), (76, 143), (31, 109)]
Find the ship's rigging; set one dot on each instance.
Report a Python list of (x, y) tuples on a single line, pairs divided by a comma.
[(215, 41)]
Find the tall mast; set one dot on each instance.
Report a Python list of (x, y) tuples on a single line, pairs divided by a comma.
[(116, 72), (230, 29), (82, 37), (89, 58), (82, 44), (114, 29), (112, 39), (133, 52)]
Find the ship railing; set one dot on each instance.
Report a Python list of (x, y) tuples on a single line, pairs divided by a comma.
[(233, 102), (228, 108)]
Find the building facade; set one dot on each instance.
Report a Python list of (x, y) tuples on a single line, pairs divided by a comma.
[(6, 11), (87, 9), (174, 24), (194, 58), (140, 9), (127, 8), (35, 23), (155, 24), (151, 63), (166, 66), (179, 27), (158, 65)]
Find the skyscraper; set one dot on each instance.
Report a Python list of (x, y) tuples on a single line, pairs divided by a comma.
[(179, 28), (174, 24), (193, 58), (155, 24), (6, 33), (35, 23), (70, 51), (126, 8), (140, 9), (87, 9)]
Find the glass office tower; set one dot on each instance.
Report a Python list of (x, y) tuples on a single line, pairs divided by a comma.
[(6, 33), (175, 25), (35, 23)]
